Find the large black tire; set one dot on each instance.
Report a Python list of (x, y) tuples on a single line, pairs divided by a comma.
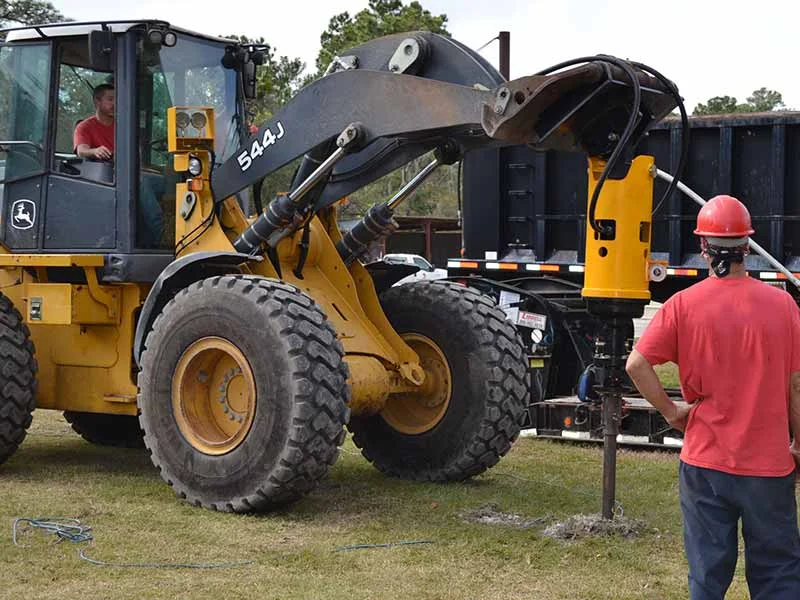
[(121, 431), (488, 379), (17, 379), (291, 417)]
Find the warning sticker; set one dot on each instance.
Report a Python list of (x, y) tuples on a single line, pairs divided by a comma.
[(509, 303), (533, 320)]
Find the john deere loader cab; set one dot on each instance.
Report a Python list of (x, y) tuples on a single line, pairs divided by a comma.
[(75, 225), (56, 201)]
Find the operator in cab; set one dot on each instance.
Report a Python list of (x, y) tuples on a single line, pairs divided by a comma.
[(93, 140), (94, 136)]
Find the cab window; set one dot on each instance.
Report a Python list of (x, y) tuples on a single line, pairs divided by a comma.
[(189, 73), (77, 85), (24, 85)]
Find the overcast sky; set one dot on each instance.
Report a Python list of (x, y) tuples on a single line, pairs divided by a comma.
[(707, 47)]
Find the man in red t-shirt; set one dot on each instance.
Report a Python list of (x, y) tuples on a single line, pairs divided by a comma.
[(736, 341), (94, 136)]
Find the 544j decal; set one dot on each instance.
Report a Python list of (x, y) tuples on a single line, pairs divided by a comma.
[(246, 158)]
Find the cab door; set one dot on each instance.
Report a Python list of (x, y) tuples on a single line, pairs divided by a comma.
[(81, 203), (24, 112)]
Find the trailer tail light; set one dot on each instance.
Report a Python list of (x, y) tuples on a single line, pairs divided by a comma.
[(501, 266), (684, 272), (774, 275), (461, 264), (537, 267)]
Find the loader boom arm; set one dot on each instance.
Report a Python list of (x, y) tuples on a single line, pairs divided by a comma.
[(401, 116)]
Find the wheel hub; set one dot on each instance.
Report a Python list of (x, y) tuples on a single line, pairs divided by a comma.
[(213, 395), (419, 411)]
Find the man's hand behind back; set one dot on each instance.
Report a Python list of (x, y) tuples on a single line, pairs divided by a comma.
[(680, 417)]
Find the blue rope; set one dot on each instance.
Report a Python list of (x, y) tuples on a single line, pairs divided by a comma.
[(63, 528), (390, 545), (73, 531), (102, 563)]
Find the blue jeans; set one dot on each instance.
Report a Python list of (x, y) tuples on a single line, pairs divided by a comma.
[(712, 503)]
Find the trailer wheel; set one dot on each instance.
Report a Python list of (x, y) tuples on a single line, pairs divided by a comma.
[(242, 393), (470, 408), (121, 431), (17, 379)]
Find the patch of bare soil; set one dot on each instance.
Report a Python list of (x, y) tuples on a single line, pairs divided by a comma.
[(583, 526), (491, 515)]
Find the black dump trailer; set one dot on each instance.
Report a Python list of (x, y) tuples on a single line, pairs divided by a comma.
[(524, 233)]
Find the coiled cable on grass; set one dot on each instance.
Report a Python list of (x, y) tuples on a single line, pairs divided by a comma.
[(63, 528), (72, 530)]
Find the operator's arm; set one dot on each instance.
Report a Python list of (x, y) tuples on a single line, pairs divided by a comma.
[(99, 153), (81, 141), (83, 150)]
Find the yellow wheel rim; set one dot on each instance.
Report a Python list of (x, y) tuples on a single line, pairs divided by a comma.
[(420, 411), (213, 395)]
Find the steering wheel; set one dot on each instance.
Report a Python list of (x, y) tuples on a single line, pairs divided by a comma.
[(160, 145)]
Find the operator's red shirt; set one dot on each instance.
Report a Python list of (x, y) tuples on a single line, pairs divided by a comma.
[(736, 341), (92, 132)]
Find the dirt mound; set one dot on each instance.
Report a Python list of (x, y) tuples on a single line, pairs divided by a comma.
[(491, 515), (583, 526)]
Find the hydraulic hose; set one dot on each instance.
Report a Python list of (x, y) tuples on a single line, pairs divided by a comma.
[(753, 245), (633, 119)]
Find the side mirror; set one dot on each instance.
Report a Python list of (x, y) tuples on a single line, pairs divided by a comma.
[(249, 79), (101, 49)]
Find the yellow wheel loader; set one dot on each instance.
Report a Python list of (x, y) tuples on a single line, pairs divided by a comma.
[(153, 299)]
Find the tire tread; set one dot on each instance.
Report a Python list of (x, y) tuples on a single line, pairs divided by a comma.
[(506, 390), (323, 392), (18, 382)]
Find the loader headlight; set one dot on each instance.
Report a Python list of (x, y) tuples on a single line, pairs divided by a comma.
[(195, 166), (189, 129), (156, 36), (159, 36), (182, 120), (198, 120)]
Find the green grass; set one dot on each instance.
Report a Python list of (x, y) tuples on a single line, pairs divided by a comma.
[(668, 374), (137, 518)]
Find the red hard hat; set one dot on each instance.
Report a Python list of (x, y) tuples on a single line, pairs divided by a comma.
[(724, 216)]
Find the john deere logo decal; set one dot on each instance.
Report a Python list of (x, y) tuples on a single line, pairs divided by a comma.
[(23, 214)]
